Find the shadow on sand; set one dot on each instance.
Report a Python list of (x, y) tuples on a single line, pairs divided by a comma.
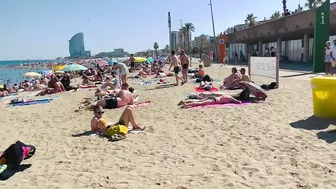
[(85, 133), (315, 123), (9, 172), (162, 86)]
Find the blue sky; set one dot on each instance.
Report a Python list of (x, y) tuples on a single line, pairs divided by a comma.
[(40, 29)]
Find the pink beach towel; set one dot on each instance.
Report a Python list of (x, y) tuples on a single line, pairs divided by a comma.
[(213, 89), (219, 105), (87, 86), (140, 104)]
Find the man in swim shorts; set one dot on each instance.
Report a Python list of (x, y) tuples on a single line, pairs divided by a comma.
[(122, 98), (132, 60), (123, 71), (175, 63), (185, 65)]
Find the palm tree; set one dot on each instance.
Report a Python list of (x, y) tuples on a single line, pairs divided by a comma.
[(284, 6), (156, 47), (167, 48), (184, 33), (251, 19), (189, 27), (276, 15), (313, 3)]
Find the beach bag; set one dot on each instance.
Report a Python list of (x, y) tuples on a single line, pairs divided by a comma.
[(116, 130)]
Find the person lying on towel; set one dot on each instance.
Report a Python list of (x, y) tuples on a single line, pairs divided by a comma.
[(117, 130), (122, 98), (223, 99)]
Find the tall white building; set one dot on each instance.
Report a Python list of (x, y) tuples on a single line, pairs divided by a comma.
[(174, 40)]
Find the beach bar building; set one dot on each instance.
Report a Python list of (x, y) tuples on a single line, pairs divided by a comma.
[(292, 36)]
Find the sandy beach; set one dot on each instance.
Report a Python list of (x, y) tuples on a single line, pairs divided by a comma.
[(275, 144)]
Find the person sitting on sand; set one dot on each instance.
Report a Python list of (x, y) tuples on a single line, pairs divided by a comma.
[(112, 83), (66, 82), (200, 72), (3, 93), (228, 81), (54, 86), (205, 85), (99, 123), (235, 82), (223, 99), (145, 71), (122, 98), (86, 80)]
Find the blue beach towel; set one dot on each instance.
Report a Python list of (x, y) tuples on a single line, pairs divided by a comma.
[(31, 102)]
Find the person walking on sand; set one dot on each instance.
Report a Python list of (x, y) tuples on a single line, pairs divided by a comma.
[(132, 60), (175, 63), (328, 59), (185, 66)]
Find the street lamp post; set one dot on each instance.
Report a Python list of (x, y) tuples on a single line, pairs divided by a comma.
[(214, 32), (169, 26)]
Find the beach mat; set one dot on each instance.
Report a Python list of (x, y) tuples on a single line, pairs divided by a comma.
[(220, 105), (145, 83), (31, 102), (140, 104), (213, 89)]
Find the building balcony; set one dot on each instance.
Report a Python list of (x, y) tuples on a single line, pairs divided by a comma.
[(286, 28)]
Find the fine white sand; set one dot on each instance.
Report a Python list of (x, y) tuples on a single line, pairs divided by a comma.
[(276, 144)]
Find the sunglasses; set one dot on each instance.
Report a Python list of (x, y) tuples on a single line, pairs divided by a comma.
[(100, 112)]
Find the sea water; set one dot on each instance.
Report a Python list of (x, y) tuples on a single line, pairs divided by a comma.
[(16, 75)]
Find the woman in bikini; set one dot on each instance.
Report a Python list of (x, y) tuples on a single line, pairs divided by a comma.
[(223, 99)]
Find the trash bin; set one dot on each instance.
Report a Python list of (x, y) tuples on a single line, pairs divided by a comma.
[(324, 96)]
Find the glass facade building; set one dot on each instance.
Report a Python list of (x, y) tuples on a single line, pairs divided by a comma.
[(76, 45), (292, 49)]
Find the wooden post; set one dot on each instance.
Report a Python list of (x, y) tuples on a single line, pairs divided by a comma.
[(277, 76), (249, 64)]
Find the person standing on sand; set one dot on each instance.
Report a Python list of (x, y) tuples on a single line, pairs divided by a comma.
[(132, 60), (185, 66), (175, 63), (123, 71)]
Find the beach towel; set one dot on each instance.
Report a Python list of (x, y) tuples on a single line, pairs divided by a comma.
[(219, 105), (145, 83), (213, 89), (140, 104), (31, 102), (87, 86)]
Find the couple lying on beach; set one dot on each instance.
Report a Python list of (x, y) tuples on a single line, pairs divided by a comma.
[(118, 130), (204, 99)]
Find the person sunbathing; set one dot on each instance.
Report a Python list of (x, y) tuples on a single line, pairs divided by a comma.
[(100, 123), (228, 81), (3, 93), (223, 99), (199, 73), (54, 86), (122, 98), (145, 71), (86, 80)]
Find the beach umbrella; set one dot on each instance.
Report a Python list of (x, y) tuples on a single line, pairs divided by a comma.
[(32, 74), (59, 72), (60, 67), (102, 63), (73, 67), (150, 60), (140, 59), (255, 89), (47, 72)]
